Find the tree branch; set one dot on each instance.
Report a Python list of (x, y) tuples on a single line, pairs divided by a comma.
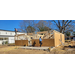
[(56, 23), (63, 24), (68, 23)]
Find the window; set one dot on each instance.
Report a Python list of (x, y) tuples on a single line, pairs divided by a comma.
[(5, 38), (1, 38), (6, 32)]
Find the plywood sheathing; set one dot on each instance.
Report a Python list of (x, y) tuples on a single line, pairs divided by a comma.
[(45, 42), (21, 42), (59, 38)]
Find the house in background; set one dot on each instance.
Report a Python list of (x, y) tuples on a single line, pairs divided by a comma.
[(8, 36), (69, 38), (72, 38)]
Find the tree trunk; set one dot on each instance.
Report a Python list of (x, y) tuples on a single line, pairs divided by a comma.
[(61, 30)]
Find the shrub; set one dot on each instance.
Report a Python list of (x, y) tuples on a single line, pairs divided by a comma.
[(6, 42), (3, 43)]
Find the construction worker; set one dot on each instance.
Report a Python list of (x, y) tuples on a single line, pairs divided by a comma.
[(40, 41)]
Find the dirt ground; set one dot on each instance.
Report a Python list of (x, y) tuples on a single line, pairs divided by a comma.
[(17, 50)]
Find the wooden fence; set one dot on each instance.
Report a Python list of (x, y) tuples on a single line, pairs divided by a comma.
[(45, 42), (21, 42)]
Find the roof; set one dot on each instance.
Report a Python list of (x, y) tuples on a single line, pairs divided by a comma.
[(70, 36), (6, 36), (20, 34), (9, 30)]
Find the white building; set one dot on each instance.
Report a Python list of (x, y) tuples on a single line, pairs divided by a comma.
[(8, 36)]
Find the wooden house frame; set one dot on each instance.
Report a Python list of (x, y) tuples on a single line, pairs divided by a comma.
[(49, 38)]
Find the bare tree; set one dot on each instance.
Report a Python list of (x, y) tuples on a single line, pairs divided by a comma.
[(27, 26), (43, 25), (49, 23), (30, 29), (22, 26), (63, 25)]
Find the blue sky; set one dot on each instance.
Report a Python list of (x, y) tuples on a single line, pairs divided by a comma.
[(9, 24)]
